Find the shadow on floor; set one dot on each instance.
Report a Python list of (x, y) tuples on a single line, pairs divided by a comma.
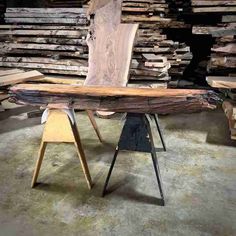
[(214, 123)]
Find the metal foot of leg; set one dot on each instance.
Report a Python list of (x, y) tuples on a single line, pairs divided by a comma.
[(110, 171), (158, 176)]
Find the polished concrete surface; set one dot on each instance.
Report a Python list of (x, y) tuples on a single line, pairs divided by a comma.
[(198, 172)]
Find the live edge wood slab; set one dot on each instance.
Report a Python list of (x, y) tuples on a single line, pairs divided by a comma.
[(117, 99)]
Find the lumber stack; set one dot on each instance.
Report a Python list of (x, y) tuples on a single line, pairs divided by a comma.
[(167, 58), (51, 40), (222, 62), (221, 68)]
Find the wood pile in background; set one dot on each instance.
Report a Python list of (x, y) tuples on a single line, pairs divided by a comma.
[(222, 62), (51, 40), (155, 57), (221, 68)]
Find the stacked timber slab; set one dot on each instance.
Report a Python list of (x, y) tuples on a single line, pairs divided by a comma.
[(156, 57), (221, 68), (51, 40)]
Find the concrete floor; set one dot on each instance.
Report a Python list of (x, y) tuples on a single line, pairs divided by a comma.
[(198, 172)]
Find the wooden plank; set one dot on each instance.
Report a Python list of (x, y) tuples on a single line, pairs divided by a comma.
[(101, 91), (47, 20), (83, 64), (79, 70), (214, 9), (229, 48), (213, 3), (46, 27), (45, 40), (67, 33), (45, 10), (110, 46), (229, 18), (222, 82), (215, 31), (45, 15), (18, 78), (43, 47), (161, 101), (10, 72)]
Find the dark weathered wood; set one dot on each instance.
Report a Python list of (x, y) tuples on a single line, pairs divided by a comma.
[(115, 99)]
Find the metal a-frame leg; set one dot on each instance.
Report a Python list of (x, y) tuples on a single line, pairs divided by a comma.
[(144, 123), (110, 171), (156, 165)]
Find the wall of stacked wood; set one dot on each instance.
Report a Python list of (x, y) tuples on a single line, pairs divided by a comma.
[(177, 39), (47, 39)]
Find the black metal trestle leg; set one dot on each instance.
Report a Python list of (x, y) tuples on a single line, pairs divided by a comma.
[(137, 136), (110, 171)]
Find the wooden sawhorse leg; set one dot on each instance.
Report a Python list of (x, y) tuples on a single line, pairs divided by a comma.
[(59, 128), (94, 123)]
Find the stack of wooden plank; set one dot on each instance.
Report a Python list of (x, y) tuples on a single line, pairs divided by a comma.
[(51, 40), (171, 58), (221, 25), (222, 62)]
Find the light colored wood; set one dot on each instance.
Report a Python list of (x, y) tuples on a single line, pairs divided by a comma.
[(101, 91), (213, 3), (36, 46), (38, 163), (18, 78), (214, 9), (110, 45), (222, 82), (94, 123), (67, 33), (47, 20), (59, 128), (10, 72), (45, 10)]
